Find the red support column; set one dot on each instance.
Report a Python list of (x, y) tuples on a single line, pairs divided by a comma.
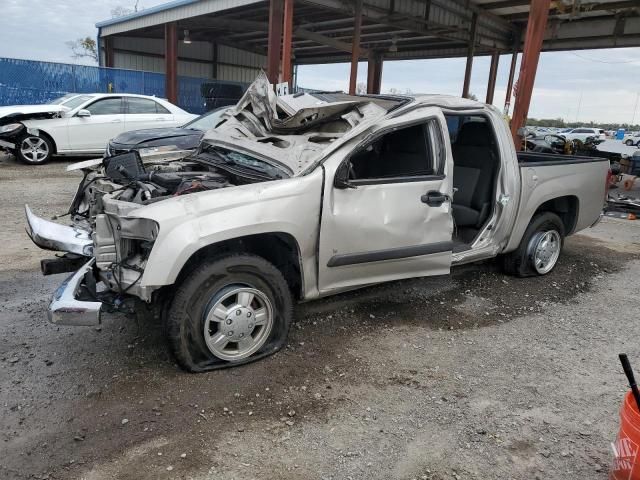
[(287, 35), (536, 26), (355, 48), (493, 72), (108, 52), (512, 74), (470, 54), (171, 61), (275, 40), (374, 73)]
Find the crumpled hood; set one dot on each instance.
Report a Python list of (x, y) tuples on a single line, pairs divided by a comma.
[(12, 110), (137, 137)]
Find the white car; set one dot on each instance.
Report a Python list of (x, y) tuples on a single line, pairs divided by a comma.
[(583, 133), (81, 124), (632, 139)]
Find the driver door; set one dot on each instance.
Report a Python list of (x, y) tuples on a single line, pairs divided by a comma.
[(91, 133), (392, 218)]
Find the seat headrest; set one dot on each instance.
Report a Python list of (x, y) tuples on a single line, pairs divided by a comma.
[(474, 134)]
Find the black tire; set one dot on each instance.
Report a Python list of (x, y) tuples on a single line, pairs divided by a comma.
[(520, 261), (34, 158), (629, 143), (194, 297)]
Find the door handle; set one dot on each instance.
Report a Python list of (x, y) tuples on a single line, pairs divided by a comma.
[(117, 120), (434, 198)]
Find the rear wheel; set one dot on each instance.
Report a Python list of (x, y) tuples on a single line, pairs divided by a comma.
[(539, 249), (629, 142), (231, 310), (34, 150)]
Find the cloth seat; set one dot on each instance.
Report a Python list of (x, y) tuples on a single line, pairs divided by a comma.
[(475, 167)]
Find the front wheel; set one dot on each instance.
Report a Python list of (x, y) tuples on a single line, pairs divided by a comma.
[(629, 143), (34, 150), (539, 249), (231, 310)]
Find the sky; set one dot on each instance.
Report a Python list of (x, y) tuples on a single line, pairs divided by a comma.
[(599, 85)]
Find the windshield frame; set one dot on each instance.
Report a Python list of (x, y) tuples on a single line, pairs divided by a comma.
[(205, 115), (281, 167), (62, 99)]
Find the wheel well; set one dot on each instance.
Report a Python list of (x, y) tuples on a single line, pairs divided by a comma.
[(281, 249), (53, 142), (565, 207), (44, 134)]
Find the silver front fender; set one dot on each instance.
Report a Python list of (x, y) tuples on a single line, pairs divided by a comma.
[(53, 236)]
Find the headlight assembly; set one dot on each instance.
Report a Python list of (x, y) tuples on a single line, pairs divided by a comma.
[(11, 127)]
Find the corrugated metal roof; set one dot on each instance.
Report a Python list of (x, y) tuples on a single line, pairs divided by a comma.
[(145, 12), (169, 12)]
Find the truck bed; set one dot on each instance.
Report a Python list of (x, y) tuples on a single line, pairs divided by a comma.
[(526, 159), (577, 182)]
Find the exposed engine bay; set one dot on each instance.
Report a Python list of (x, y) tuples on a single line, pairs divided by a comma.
[(125, 178), (117, 185)]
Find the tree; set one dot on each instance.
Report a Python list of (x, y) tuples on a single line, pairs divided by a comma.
[(361, 88), (472, 97), (397, 91), (83, 48), (121, 11)]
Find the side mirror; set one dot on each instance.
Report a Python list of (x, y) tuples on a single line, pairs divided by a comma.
[(341, 178), (83, 113)]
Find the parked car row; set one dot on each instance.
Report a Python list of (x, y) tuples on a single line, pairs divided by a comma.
[(81, 124)]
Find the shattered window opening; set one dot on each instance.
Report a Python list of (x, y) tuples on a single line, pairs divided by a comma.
[(405, 152)]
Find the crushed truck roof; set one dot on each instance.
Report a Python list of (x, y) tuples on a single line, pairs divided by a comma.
[(294, 130)]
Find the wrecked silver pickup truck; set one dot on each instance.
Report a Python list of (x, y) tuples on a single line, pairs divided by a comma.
[(303, 196)]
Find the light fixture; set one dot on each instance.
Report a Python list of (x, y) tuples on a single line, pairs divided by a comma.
[(186, 38), (393, 47)]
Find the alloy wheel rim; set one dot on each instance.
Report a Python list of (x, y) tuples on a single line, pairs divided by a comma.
[(545, 248), (34, 149), (238, 322)]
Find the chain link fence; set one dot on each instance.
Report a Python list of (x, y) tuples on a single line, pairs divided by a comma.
[(33, 82)]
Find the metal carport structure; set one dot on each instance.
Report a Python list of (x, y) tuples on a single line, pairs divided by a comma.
[(233, 39)]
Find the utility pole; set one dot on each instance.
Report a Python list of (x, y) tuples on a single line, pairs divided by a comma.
[(635, 109), (579, 105)]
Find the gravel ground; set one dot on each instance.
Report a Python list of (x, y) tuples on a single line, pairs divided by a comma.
[(473, 376)]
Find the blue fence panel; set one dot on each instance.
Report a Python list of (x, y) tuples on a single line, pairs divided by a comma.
[(32, 82)]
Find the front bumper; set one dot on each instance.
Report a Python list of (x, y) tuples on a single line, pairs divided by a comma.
[(7, 145), (67, 309), (53, 236)]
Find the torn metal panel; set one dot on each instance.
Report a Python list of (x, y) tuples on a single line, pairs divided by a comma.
[(293, 130), (24, 112)]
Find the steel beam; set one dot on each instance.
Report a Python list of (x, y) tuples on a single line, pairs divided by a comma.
[(374, 73), (355, 47), (108, 52), (470, 54), (276, 11), (536, 26), (171, 61), (214, 59), (287, 36), (329, 41), (450, 26), (512, 74), (493, 73)]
